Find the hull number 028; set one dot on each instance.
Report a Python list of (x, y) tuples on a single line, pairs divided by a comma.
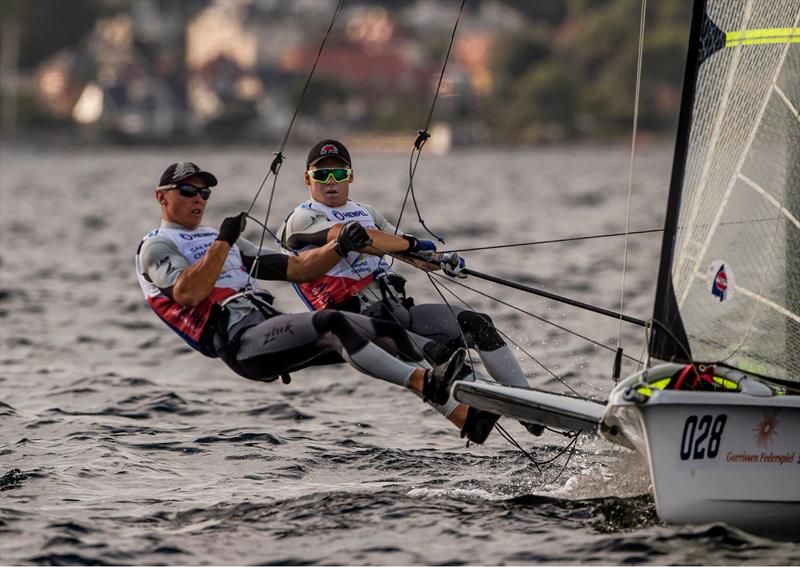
[(701, 436)]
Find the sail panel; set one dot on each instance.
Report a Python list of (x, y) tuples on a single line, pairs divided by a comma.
[(736, 236)]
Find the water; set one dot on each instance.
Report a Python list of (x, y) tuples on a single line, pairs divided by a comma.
[(120, 445)]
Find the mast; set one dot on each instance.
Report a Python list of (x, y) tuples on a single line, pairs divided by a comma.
[(668, 340)]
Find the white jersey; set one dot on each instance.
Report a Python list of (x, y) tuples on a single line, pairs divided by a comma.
[(190, 322), (351, 275)]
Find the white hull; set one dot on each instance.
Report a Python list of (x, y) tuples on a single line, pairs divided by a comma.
[(728, 457), (713, 457)]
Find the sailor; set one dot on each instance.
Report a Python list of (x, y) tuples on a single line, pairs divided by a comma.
[(198, 282), (362, 282)]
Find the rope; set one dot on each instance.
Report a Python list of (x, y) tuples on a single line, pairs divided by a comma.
[(571, 446), (630, 172), (422, 136), (277, 161)]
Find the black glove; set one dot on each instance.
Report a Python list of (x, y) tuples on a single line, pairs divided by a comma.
[(351, 237), (231, 228)]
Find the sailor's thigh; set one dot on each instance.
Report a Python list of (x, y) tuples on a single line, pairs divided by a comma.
[(277, 334), (435, 320)]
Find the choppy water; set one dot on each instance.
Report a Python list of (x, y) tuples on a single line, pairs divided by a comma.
[(119, 445)]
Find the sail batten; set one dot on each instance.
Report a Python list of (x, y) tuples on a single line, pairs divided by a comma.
[(761, 191), (786, 100), (736, 229)]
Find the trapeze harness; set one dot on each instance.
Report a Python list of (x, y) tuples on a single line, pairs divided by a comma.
[(198, 325), (342, 286)]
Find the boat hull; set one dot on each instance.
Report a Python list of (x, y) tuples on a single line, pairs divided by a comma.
[(713, 457)]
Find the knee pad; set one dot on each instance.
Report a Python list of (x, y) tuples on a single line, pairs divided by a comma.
[(332, 321), (481, 329)]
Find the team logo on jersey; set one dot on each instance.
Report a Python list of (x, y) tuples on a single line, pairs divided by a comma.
[(349, 214), (328, 149), (720, 280), (196, 235)]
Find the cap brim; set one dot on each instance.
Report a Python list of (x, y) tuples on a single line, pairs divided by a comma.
[(320, 158), (207, 177)]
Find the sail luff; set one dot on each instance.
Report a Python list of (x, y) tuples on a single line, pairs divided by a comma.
[(668, 340), (792, 340)]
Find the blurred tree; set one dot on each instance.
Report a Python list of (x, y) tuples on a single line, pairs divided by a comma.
[(47, 26), (514, 53)]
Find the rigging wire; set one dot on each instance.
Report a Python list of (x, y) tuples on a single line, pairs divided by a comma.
[(422, 136), (553, 241), (545, 368), (537, 317), (630, 180), (596, 236)]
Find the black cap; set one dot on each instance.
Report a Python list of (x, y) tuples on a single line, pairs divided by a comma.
[(184, 170), (328, 148)]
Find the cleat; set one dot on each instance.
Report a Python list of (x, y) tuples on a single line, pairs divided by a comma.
[(436, 387), (479, 425)]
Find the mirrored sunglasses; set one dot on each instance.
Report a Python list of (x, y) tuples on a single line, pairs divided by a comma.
[(324, 174)]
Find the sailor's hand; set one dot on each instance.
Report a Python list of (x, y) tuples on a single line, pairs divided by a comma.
[(453, 265), (351, 237), (231, 228), (421, 247)]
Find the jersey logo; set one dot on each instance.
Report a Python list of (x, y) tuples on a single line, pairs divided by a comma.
[(349, 214)]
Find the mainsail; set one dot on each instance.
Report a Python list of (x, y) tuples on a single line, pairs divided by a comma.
[(728, 289)]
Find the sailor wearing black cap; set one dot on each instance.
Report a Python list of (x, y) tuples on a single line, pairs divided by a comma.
[(197, 280)]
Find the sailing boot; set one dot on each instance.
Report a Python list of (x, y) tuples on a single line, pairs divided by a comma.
[(478, 425), (436, 386)]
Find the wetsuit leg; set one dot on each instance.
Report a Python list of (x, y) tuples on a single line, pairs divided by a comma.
[(289, 342), (282, 344), (452, 325)]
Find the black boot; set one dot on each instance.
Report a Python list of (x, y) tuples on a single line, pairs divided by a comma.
[(478, 425), (436, 387)]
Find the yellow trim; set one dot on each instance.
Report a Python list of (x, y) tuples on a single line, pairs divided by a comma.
[(725, 383), (661, 384), (762, 36)]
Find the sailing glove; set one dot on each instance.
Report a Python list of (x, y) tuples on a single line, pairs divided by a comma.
[(416, 245), (453, 265), (231, 228), (351, 237)]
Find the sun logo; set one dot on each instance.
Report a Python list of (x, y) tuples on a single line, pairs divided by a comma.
[(766, 430)]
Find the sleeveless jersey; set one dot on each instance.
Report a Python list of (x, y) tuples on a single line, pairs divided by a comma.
[(190, 322), (351, 274)]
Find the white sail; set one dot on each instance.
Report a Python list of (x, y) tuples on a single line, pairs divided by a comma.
[(737, 239)]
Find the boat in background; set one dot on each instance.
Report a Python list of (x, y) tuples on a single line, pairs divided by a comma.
[(718, 416)]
